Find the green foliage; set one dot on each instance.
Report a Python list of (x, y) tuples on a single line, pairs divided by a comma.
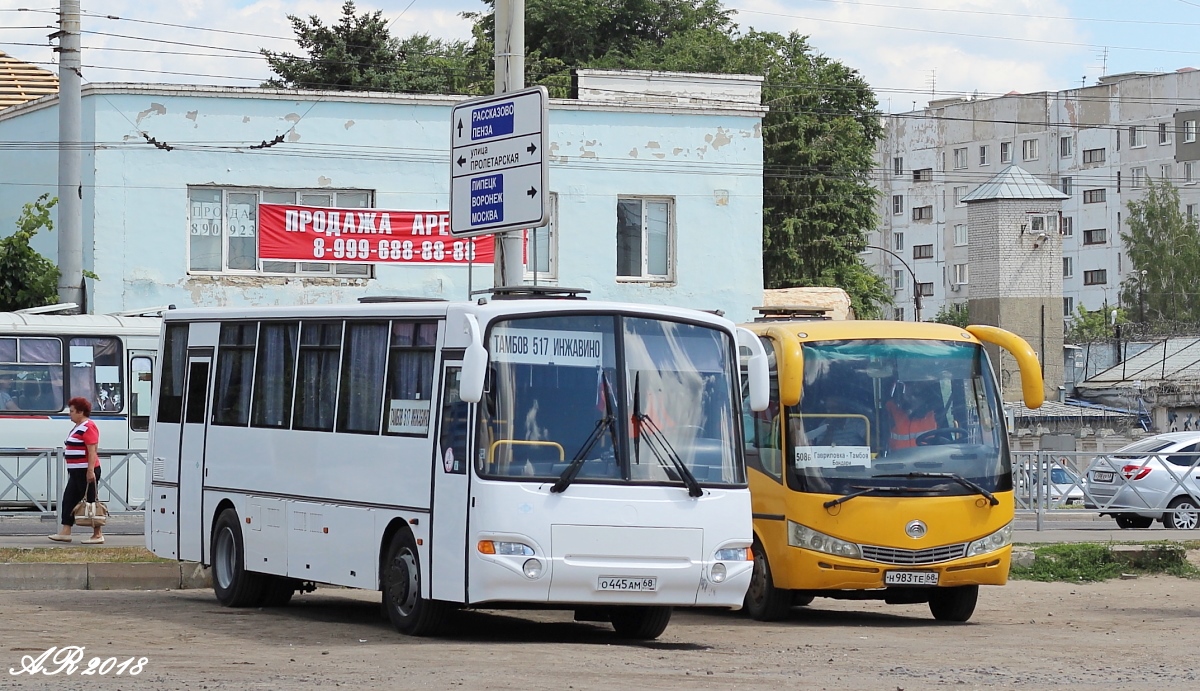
[(954, 316), (27, 279), (1095, 325), (1090, 562), (1163, 243)]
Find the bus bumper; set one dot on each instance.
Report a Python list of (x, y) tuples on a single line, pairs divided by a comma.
[(827, 572)]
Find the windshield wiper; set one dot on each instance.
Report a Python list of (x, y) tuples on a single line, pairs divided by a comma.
[(863, 489), (609, 422), (658, 443), (949, 476)]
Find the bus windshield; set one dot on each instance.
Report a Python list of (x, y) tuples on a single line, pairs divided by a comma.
[(629, 398), (907, 413)]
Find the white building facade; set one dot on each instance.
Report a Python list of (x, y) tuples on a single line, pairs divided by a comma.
[(1099, 145)]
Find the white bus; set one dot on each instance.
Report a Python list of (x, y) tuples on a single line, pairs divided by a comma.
[(589, 457), (45, 360)]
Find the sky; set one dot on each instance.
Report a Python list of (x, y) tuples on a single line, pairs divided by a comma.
[(907, 50)]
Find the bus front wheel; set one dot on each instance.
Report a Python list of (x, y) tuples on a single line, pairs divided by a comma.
[(954, 604), (640, 623), (233, 584), (406, 609), (763, 600)]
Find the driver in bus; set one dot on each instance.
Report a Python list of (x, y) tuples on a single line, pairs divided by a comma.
[(912, 410), (7, 400)]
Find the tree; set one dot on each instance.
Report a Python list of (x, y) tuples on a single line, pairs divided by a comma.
[(360, 54), (1163, 246), (954, 316), (1095, 325), (27, 279)]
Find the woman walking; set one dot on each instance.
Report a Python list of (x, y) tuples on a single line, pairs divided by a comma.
[(83, 469)]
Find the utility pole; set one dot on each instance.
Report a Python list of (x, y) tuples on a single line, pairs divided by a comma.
[(70, 156), (510, 76)]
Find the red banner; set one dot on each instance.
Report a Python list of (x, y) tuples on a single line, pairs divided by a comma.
[(365, 236)]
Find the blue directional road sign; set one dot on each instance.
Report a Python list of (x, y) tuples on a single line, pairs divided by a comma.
[(498, 166)]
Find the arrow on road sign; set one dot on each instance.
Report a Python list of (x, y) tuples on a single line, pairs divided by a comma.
[(461, 160), (460, 127), (532, 192), (531, 149)]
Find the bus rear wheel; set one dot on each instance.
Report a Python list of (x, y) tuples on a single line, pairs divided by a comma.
[(406, 609), (954, 604), (640, 623), (763, 600), (232, 583)]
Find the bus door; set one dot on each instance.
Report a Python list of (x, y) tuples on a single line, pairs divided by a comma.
[(191, 455), (451, 491)]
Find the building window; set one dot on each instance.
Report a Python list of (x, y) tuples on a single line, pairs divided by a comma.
[(1006, 152), (898, 165), (960, 274), (925, 289), (1164, 136), (1065, 185), (1096, 236), (897, 280), (922, 213), (541, 246), (922, 251), (983, 155), (1093, 196), (645, 244), (1068, 307), (959, 193), (1189, 172), (1043, 224), (1093, 156), (1068, 267), (1189, 131), (923, 175), (1137, 137), (1164, 171), (1095, 277), (960, 158), (897, 204), (1191, 212), (898, 314), (1029, 149), (1068, 226), (223, 230), (1137, 177), (898, 242), (960, 234), (1065, 147)]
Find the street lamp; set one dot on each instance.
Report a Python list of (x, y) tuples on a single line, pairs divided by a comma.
[(1142, 297), (916, 287)]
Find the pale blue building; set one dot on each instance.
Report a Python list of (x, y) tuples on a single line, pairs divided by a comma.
[(655, 181)]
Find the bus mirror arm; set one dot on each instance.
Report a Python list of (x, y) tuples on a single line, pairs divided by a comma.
[(756, 370), (475, 363)]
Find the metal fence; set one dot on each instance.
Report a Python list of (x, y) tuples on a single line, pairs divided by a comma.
[(1136, 488), (33, 480)]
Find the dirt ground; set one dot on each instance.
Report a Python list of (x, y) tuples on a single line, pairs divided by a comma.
[(1125, 634)]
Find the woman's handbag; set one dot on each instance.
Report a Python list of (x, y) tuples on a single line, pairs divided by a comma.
[(90, 513)]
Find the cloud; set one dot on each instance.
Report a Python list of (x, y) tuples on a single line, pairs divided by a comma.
[(903, 51)]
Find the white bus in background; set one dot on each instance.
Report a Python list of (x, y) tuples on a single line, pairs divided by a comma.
[(47, 359), (588, 457)]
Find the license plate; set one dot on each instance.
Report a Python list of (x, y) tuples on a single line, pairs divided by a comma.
[(1103, 476), (627, 584), (910, 578)]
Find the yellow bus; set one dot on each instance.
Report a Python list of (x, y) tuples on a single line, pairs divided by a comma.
[(881, 469)]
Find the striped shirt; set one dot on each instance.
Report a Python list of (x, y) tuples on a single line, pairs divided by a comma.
[(76, 443)]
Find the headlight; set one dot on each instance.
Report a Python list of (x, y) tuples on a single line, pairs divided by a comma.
[(512, 549), (802, 536), (991, 543), (718, 573), (732, 554), (532, 568)]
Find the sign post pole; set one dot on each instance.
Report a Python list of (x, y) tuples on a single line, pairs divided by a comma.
[(510, 76)]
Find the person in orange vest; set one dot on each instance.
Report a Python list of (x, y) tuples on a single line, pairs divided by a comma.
[(912, 410)]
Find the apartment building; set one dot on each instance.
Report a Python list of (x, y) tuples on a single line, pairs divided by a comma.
[(1099, 145)]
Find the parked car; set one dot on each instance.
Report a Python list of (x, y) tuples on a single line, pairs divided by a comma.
[(1136, 482), (1065, 486)]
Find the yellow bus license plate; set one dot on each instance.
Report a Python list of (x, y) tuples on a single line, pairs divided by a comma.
[(910, 578)]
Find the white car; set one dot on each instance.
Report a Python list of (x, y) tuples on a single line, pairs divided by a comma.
[(1155, 478), (1065, 486)]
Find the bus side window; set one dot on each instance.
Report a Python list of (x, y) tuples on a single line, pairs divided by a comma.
[(95, 372), (762, 444), (141, 376)]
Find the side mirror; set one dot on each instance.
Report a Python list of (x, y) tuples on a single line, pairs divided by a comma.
[(475, 363), (757, 374)]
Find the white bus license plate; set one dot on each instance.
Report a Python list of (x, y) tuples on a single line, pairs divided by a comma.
[(910, 578), (1103, 476), (627, 584)]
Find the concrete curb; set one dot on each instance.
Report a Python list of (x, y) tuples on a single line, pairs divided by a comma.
[(105, 576)]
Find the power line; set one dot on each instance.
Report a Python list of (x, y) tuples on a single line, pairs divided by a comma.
[(1017, 15)]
